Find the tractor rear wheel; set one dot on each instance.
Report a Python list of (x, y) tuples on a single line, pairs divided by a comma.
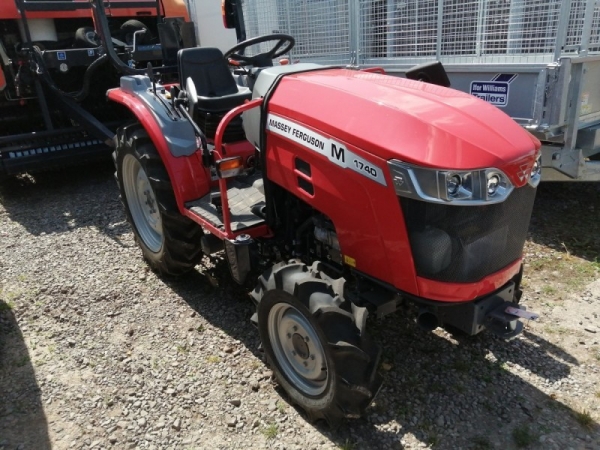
[(315, 342), (170, 242)]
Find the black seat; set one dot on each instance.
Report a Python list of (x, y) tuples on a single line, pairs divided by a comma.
[(215, 87)]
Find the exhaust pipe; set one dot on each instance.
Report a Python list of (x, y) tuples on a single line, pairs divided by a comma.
[(427, 320)]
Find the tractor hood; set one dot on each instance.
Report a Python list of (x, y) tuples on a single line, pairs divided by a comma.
[(396, 118)]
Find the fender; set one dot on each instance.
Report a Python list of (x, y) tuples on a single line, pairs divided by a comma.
[(193, 179)]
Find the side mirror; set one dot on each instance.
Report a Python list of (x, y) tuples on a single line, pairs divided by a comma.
[(433, 73), (228, 12)]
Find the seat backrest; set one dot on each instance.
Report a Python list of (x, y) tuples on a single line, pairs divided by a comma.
[(209, 71)]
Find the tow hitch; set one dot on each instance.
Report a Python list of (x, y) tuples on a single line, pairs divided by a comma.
[(499, 313), (504, 322)]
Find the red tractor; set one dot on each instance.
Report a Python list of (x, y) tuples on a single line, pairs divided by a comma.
[(348, 191)]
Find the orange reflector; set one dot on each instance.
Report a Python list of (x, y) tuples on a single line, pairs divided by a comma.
[(229, 167), (2, 80), (233, 62), (223, 14), (284, 61), (350, 261)]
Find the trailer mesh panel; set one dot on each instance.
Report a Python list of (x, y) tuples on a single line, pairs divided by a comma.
[(453, 31), (321, 28), (464, 244)]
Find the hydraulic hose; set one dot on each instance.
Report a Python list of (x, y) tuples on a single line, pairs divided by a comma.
[(87, 77), (104, 32)]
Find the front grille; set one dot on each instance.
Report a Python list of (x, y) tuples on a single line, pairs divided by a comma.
[(464, 244)]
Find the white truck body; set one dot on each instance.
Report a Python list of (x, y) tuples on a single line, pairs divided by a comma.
[(210, 31)]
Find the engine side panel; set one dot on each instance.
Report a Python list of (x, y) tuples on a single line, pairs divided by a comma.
[(352, 188)]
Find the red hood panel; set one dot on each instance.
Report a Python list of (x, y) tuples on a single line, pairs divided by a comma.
[(396, 118)]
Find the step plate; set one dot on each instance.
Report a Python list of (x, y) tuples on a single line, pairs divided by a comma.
[(242, 197)]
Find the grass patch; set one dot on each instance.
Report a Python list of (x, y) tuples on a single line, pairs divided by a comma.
[(270, 431), (347, 445), (8, 306), (580, 271), (481, 443), (461, 365), (488, 406), (21, 361), (183, 349), (549, 290), (433, 440), (281, 406), (404, 410), (439, 388), (486, 377), (597, 394), (200, 328), (213, 359), (255, 364), (584, 419), (551, 329), (523, 436)]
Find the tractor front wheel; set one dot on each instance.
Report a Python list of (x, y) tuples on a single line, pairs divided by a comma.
[(315, 342), (170, 242)]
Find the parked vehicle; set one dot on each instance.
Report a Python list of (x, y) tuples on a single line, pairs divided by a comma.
[(345, 192), (55, 71)]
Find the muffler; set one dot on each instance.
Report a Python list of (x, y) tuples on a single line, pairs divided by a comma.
[(427, 319)]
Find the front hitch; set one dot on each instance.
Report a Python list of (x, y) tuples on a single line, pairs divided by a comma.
[(504, 321), (498, 312)]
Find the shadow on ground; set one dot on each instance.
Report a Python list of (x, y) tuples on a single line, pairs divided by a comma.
[(23, 424), (77, 196), (566, 217)]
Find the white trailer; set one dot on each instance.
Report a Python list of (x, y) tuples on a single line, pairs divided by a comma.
[(538, 60), (210, 31)]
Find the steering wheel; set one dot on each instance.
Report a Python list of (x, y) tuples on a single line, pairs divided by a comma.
[(284, 44)]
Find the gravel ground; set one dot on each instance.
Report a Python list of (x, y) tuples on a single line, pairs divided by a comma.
[(97, 352)]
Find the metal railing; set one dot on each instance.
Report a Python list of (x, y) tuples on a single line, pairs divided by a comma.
[(386, 32)]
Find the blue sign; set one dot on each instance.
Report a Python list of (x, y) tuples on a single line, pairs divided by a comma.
[(61, 56), (494, 92)]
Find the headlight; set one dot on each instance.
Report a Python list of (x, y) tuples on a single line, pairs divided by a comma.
[(536, 171), (453, 183), (493, 181), (470, 187)]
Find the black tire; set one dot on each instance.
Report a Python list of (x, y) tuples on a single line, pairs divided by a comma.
[(130, 27), (86, 37), (293, 298), (175, 249)]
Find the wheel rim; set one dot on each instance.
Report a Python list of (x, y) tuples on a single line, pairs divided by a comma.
[(298, 349), (142, 203)]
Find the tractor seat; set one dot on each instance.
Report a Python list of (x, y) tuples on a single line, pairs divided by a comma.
[(205, 71)]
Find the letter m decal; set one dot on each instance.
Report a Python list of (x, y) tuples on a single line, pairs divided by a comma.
[(338, 152)]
